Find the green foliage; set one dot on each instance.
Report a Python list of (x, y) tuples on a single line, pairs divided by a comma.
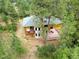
[(43, 7), (46, 51), (16, 45), (67, 10), (67, 53), (4, 18), (51, 52), (7, 8), (10, 48), (23, 7), (8, 27), (69, 24), (1, 28), (75, 53), (1, 49), (5, 49), (62, 53), (11, 27)]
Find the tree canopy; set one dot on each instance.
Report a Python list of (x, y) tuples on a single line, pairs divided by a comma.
[(66, 10)]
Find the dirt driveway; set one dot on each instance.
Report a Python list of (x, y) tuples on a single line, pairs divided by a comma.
[(30, 43)]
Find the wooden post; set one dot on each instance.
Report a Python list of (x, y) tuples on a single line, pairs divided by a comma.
[(46, 30)]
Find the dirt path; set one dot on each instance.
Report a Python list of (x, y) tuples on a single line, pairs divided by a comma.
[(29, 43), (32, 47)]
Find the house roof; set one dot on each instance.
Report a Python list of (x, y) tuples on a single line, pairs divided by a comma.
[(27, 21), (57, 21), (36, 21), (52, 20), (31, 21)]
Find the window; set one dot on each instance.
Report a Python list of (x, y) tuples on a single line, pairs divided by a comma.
[(36, 34), (35, 28), (31, 28), (51, 27), (45, 25), (39, 29)]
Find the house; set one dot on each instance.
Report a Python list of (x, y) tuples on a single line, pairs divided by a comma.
[(57, 23), (53, 22), (33, 25), (54, 26)]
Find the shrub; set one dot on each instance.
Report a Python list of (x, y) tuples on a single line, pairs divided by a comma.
[(10, 46), (46, 52), (4, 18), (75, 53), (51, 52), (2, 53), (11, 27), (1, 28), (66, 53), (62, 53), (5, 49), (16, 45)]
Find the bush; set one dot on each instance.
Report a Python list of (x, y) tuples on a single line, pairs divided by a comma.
[(1, 28), (2, 53), (62, 53), (5, 50), (10, 46), (46, 52), (67, 53), (4, 18), (11, 27), (75, 53), (51, 52), (16, 45)]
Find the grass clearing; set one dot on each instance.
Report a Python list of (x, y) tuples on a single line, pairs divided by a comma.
[(10, 48)]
